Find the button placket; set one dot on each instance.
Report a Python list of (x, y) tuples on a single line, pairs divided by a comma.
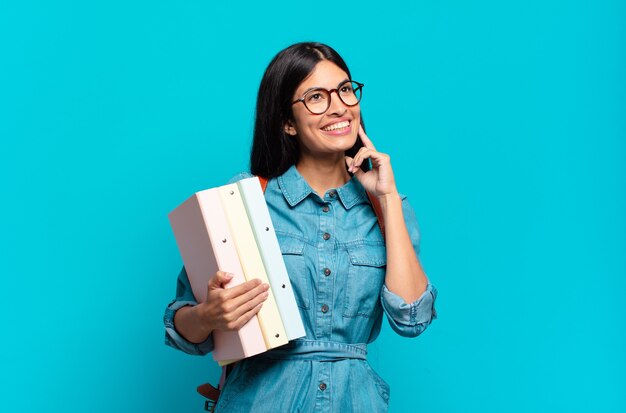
[(325, 299), (323, 399)]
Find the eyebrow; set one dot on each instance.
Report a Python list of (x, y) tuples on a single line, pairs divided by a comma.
[(319, 87)]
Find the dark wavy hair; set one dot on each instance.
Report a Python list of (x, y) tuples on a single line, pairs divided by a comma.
[(273, 151)]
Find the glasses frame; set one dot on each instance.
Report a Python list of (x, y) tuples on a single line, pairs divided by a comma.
[(336, 90)]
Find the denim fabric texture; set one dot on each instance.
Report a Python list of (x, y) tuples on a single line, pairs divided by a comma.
[(336, 259)]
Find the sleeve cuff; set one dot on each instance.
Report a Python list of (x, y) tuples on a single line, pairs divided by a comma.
[(409, 320), (177, 341)]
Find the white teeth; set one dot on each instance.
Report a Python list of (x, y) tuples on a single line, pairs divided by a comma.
[(338, 125)]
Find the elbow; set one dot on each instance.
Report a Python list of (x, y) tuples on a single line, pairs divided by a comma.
[(176, 340), (410, 320), (409, 331)]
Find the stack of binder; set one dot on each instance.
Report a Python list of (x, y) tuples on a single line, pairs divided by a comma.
[(229, 229)]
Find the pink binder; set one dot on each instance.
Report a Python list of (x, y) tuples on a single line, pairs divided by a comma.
[(206, 245)]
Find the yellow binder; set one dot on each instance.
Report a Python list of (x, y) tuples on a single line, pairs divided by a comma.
[(252, 263)]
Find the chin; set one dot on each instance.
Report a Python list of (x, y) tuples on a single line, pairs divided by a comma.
[(343, 143)]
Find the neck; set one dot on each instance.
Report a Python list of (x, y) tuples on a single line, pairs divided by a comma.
[(323, 174)]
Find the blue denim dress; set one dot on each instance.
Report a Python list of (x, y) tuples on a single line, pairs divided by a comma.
[(335, 256)]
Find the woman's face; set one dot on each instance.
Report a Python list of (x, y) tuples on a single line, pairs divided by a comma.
[(334, 131)]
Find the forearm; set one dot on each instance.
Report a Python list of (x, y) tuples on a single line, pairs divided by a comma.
[(405, 276), (190, 325)]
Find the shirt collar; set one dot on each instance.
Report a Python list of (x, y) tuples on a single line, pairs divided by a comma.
[(352, 193), (295, 189)]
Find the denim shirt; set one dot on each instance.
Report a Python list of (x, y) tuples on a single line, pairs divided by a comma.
[(335, 255)]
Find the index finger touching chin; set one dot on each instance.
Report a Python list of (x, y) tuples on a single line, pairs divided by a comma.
[(367, 142)]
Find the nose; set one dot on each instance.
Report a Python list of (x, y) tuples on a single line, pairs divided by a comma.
[(336, 105)]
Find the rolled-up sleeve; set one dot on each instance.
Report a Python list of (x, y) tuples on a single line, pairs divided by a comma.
[(410, 319), (184, 297)]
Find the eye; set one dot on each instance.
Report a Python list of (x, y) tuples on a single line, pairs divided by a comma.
[(347, 88), (315, 97)]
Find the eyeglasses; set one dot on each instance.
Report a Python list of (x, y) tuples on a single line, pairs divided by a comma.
[(317, 101)]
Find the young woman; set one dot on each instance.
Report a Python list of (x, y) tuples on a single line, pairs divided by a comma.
[(310, 143)]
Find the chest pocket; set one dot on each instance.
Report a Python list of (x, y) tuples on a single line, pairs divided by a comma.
[(292, 249), (366, 275)]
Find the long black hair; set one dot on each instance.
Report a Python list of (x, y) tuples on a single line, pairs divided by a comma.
[(273, 151)]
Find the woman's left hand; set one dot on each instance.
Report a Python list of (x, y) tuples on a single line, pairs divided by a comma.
[(379, 181)]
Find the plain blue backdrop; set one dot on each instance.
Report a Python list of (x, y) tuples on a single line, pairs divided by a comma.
[(505, 122)]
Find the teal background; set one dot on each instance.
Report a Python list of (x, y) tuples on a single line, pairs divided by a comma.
[(506, 126)]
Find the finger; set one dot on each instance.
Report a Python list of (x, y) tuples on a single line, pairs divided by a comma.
[(219, 279), (361, 155), (231, 308), (378, 158), (367, 142), (348, 160), (241, 300), (355, 171), (240, 289), (241, 321), (248, 305), (356, 156)]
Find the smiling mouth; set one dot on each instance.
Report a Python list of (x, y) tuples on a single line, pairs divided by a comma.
[(337, 126)]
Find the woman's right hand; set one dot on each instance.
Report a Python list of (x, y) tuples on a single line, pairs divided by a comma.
[(231, 308)]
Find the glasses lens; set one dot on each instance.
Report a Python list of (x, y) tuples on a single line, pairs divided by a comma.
[(350, 93), (317, 101)]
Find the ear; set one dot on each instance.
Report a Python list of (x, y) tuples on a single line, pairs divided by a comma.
[(289, 128)]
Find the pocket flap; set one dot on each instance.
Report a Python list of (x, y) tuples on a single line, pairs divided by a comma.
[(290, 245), (371, 255)]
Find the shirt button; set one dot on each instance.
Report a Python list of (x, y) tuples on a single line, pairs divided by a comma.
[(322, 386), (325, 208), (324, 308), (327, 271), (332, 194), (326, 236)]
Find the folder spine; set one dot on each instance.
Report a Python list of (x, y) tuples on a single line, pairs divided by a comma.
[(265, 236), (252, 263)]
